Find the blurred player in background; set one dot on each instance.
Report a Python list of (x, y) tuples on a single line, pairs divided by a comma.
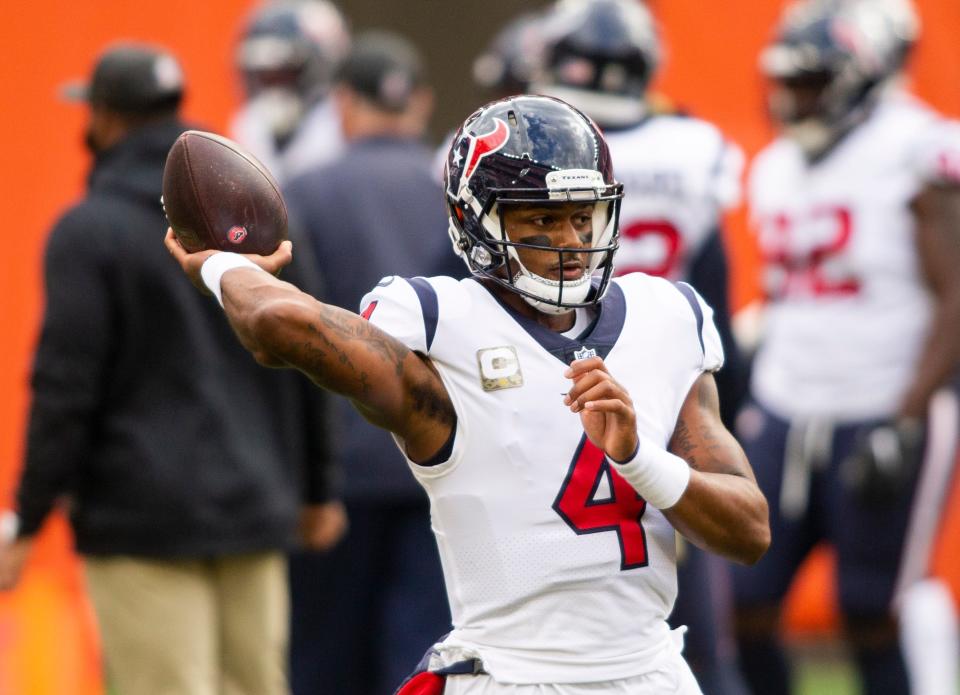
[(358, 632), (508, 64), (504, 69), (679, 175), (533, 407), (180, 458), (852, 430), (287, 56)]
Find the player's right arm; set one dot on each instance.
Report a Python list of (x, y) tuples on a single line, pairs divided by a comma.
[(391, 385)]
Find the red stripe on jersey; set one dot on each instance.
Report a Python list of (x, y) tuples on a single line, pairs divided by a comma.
[(425, 683), (369, 310)]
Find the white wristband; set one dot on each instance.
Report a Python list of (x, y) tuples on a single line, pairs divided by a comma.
[(657, 475), (214, 267)]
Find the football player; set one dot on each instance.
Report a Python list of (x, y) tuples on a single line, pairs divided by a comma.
[(510, 60), (503, 69), (287, 56), (857, 210), (679, 174), (563, 423)]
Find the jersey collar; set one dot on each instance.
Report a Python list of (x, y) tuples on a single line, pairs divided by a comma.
[(600, 336)]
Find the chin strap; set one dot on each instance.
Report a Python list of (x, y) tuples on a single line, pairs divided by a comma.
[(548, 293)]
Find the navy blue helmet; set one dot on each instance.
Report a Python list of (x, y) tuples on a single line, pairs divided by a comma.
[(600, 56), (831, 60), (523, 150), (509, 63), (293, 44)]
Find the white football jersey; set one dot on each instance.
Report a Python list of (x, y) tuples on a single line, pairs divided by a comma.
[(679, 175), (848, 308), (556, 571)]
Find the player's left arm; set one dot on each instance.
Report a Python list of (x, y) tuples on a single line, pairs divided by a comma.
[(937, 213), (704, 484), (722, 509)]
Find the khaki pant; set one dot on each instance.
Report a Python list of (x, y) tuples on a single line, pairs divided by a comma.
[(192, 627)]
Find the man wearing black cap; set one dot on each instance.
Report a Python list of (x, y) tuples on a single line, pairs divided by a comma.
[(180, 456), (363, 612)]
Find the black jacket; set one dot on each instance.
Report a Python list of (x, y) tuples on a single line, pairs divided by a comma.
[(164, 433)]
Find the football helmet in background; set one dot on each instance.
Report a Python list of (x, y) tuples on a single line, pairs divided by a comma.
[(830, 62), (523, 150), (508, 64), (288, 54), (600, 56)]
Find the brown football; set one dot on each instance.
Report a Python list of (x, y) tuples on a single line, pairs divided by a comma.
[(218, 196)]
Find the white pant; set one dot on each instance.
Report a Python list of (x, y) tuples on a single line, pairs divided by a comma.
[(674, 677)]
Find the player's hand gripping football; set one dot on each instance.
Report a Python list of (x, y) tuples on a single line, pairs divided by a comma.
[(191, 262), (605, 408)]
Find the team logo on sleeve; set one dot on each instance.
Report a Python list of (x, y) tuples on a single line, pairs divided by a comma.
[(499, 368)]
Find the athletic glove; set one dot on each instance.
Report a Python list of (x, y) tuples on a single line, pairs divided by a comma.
[(884, 461)]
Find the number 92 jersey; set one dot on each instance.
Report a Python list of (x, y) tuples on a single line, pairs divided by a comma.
[(556, 570), (679, 175), (848, 308)]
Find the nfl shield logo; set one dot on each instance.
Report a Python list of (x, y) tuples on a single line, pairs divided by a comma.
[(584, 353)]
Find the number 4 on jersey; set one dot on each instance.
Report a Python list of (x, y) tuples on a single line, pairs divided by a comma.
[(620, 512)]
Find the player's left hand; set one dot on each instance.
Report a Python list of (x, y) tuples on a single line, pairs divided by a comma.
[(605, 408), (884, 461), (322, 525), (191, 262)]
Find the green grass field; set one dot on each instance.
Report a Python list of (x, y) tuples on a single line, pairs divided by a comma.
[(823, 670), (817, 677)]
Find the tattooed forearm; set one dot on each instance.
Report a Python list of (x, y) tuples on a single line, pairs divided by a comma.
[(701, 440), (386, 381), (682, 444), (707, 395), (344, 325), (434, 405)]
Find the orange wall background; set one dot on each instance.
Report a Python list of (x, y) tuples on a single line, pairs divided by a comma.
[(47, 643)]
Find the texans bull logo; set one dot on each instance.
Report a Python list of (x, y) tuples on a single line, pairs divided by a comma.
[(484, 145)]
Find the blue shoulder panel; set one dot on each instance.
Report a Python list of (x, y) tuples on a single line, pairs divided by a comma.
[(428, 306), (689, 295)]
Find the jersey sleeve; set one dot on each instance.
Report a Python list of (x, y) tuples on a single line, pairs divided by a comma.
[(395, 307), (709, 337), (936, 159), (727, 175)]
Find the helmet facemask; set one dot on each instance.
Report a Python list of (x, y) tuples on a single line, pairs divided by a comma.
[(817, 106), (851, 51), (537, 152), (497, 258), (600, 56), (288, 55)]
